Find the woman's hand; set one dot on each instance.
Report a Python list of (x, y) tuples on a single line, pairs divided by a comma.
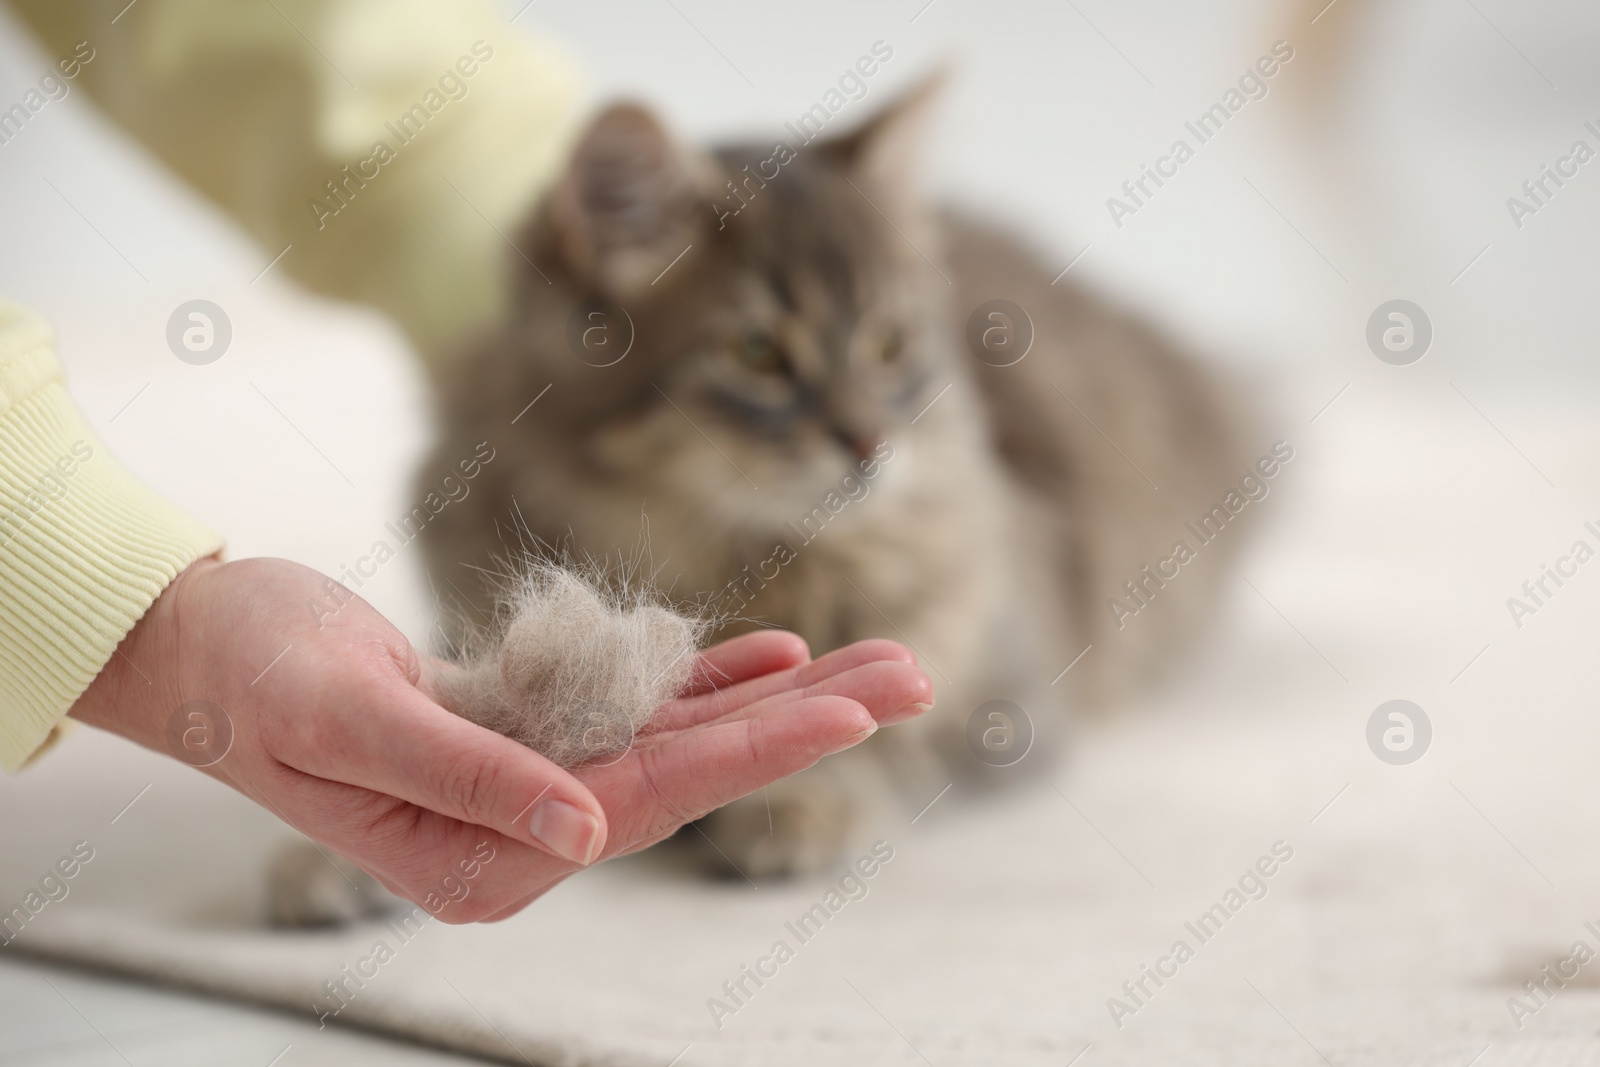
[(334, 728)]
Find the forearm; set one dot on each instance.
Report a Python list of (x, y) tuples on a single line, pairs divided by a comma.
[(138, 691), (276, 112), (85, 547)]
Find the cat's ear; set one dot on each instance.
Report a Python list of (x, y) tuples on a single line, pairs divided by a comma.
[(886, 148), (623, 208)]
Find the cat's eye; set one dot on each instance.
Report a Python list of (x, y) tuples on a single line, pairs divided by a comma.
[(759, 351), (892, 346)]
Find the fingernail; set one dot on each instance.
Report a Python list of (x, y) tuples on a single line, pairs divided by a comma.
[(910, 711), (569, 832), (855, 739)]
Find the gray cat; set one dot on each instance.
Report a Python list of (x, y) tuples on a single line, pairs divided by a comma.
[(845, 412)]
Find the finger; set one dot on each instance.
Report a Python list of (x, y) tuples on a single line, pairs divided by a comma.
[(891, 690), (747, 656), (655, 790), (874, 685), (652, 792), (455, 871), (392, 739), (707, 707)]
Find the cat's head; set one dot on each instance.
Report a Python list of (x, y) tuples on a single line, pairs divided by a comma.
[(776, 300)]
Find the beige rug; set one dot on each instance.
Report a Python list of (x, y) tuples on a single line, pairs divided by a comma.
[(1417, 901)]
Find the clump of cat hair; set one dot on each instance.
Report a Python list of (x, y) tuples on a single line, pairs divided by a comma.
[(576, 667)]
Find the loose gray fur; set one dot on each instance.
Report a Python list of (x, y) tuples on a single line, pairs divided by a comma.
[(577, 669)]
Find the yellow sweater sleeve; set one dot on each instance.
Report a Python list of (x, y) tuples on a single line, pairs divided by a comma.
[(388, 148), (85, 547), (385, 149)]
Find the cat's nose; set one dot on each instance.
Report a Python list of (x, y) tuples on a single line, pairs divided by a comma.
[(862, 444)]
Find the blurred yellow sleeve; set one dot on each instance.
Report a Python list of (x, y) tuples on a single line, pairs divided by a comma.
[(392, 146), (85, 547), (386, 148)]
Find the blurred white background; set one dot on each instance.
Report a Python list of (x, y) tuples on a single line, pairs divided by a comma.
[(1377, 167), (1438, 110)]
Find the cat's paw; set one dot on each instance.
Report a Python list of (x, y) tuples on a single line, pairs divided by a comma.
[(796, 826), (308, 887)]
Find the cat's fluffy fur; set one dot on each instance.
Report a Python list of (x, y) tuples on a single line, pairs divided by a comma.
[(773, 355), (574, 671)]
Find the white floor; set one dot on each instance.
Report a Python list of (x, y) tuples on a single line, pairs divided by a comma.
[(61, 1018)]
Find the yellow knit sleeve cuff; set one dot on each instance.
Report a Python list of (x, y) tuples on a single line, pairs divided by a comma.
[(85, 547)]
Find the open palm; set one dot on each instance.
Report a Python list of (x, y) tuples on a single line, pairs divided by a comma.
[(342, 738)]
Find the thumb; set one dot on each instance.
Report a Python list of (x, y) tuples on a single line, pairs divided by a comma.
[(394, 739)]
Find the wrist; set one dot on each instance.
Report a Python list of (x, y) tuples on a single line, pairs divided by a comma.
[(141, 685)]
